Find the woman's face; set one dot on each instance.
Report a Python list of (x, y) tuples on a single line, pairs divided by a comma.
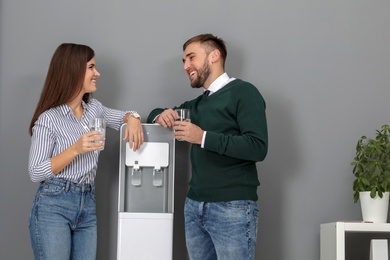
[(91, 74)]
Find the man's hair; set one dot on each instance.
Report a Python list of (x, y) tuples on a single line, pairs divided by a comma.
[(210, 42)]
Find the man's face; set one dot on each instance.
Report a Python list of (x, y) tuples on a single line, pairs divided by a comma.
[(196, 64)]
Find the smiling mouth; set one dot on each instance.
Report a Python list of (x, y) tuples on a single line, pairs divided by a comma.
[(192, 74)]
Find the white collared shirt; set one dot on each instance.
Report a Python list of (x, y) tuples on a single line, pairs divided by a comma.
[(219, 83)]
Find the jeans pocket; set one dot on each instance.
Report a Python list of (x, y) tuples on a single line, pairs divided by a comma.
[(51, 190)]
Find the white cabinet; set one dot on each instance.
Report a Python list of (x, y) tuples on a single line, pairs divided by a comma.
[(332, 236)]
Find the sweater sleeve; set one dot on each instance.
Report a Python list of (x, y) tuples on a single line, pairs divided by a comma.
[(157, 111), (153, 114), (252, 142)]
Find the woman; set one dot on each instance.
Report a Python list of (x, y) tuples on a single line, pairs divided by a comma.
[(64, 155)]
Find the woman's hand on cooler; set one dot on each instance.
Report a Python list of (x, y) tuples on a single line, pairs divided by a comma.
[(134, 133)]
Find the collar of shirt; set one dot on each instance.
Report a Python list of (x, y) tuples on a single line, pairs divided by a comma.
[(219, 83), (66, 110)]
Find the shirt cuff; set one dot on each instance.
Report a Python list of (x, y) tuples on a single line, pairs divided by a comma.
[(154, 120), (203, 139)]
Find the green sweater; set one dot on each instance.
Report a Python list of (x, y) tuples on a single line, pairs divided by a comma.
[(235, 121)]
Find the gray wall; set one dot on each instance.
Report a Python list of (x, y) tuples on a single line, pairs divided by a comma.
[(322, 67)]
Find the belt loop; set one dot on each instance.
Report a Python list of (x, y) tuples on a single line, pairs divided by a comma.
[(67, 185)]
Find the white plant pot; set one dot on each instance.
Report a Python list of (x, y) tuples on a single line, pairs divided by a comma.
[(374, 209)]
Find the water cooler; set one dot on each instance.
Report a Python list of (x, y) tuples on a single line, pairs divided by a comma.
[(146, 196)]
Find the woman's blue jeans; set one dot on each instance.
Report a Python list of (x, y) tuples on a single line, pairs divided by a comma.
[(63, 221), (221, 230)]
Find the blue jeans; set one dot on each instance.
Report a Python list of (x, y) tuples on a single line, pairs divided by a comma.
[(63, 221), (221, 230)]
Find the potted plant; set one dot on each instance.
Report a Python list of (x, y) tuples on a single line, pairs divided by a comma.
[(371, 167)]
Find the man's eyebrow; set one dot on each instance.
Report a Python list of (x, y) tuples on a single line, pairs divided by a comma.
[(188, 54)]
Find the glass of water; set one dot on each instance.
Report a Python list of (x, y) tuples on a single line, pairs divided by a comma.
[(98, 124), (183, 114)]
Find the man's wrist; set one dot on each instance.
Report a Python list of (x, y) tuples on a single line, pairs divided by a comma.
[(203, 139)]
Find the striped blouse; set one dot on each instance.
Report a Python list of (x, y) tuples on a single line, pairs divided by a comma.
[(56, 130)]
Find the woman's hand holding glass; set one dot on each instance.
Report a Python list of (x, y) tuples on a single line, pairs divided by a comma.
[(91, 141)]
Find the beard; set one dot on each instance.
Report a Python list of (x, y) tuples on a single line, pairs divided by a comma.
[(203, 75)]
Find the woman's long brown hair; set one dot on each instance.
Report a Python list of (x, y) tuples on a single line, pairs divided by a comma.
[(64, 79)]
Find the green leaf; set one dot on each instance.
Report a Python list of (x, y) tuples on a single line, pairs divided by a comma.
[(378, 170), (365, 181), (373, 193), (356, 197)]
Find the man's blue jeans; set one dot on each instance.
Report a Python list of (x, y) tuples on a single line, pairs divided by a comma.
[(63, 221), (221, 230)]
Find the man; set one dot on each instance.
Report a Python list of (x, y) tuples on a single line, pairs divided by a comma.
[(228, 133)]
